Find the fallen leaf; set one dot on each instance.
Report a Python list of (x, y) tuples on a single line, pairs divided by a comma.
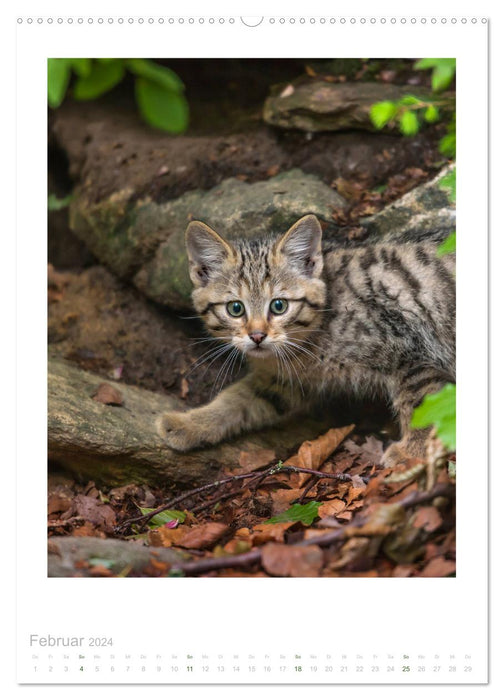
[(283, 498), (292, 560), (403, 570), (439, 566), (256, 459), (313, 453), (100, 570), (93, 511), (203, 536), (58, 503), (370, 452), (269, 532), (382, 518), (333, 507), (166, 537), (428, 518), (108, 394)]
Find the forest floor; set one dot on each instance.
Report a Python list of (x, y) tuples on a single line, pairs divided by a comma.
[(331, 509)]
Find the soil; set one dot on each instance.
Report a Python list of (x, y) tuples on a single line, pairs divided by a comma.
[(103, 325), (107, 144)]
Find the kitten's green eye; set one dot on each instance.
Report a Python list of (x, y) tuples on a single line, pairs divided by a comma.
[(279, 306), (235, 308)]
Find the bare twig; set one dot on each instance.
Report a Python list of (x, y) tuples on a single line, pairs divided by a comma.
[(270, 471), (193, 568)]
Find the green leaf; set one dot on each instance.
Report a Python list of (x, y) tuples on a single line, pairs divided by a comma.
[(81, 66), (449, 183), (439, 410), (165, 516), (58, 77), (55, 204), (297, 513), (448, 245), (381, 113), (448, 145), (442, 77), (97, 561), (161, 108), (102, 78), (408, 123), (443, 73), (409, 100), (160, 75), (431, 114)]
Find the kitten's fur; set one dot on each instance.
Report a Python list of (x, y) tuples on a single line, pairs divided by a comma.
[(377, 318)]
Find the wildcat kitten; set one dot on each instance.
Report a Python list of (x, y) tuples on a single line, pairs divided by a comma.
[(377, 318)]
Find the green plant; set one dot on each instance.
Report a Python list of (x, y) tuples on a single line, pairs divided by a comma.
[(411, 112), (439, 409), (305, 514), (159, 92)]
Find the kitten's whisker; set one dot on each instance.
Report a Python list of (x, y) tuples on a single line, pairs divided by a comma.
[(212, 355), (224, 370), (294, 357), (299, 347)]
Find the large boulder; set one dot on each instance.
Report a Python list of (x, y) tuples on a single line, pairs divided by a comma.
[(425, 213), (143, 240)]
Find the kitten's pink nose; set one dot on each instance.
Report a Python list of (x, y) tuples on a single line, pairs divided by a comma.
[(257, 337)]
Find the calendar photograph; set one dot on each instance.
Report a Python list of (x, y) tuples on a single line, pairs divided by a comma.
[(251, 317)]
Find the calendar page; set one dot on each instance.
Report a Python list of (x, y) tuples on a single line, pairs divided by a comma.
[(236, 291)]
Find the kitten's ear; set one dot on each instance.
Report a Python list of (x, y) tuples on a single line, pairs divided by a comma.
[(302, 246), (206, 251)]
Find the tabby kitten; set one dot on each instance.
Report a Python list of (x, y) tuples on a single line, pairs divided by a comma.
[(375, 319)]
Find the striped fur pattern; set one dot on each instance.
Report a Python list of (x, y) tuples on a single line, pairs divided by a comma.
[(376, 319)]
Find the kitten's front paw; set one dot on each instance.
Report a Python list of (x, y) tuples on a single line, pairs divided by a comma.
[(179, 431)]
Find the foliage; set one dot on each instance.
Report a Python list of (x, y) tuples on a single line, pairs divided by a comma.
[(411, 112), (158, 90), (449, 183), (166, 516), (443, 71), (439, 409), (56, 204), (448, 245), (297, 513)]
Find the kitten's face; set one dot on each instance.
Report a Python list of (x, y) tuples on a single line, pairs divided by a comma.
[(262, 297)]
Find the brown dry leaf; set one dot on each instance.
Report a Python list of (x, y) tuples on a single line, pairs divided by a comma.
[(235, 546), (250, 461), (93, 511), (269, 532), (87, 530), (354, 549), (108, 394), (403, 570), (283, 498), (333, 507), (203, 536), (356, 489), (273, 170), (439, 566), (292, 560), (58, 503), (428, 518), (313, 453), (100, 570), (382, 518), (167, 537), (370, 452)]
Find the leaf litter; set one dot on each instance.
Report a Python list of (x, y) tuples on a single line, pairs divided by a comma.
[(329, 510)]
